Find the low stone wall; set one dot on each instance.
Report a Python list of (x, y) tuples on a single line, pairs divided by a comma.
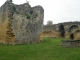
[(71, 43)]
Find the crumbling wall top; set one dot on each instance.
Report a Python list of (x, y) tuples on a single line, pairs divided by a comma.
[(9, 0)]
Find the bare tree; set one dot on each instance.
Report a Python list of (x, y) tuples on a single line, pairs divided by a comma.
[(49, 22)]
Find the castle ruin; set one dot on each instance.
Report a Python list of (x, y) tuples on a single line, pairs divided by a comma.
[(66, 30), (20, 24)]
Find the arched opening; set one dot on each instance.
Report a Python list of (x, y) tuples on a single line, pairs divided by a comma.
[(73, 28), (77, 34), (62, 31), (72, 36)]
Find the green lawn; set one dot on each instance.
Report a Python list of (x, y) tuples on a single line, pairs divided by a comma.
[(49, 49)]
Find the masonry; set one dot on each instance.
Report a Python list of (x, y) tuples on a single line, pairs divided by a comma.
[(66, 30), (20, 24)]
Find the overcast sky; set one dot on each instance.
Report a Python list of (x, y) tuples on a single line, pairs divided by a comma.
[(56, 10)]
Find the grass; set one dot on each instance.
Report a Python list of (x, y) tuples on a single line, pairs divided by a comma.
[(49, 49)]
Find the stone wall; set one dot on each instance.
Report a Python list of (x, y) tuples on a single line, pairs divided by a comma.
[(20, 24), (71, 43), (66, 29)]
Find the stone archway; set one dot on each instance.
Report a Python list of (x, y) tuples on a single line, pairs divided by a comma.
[(72, 36), (62, 31), (77, 34), (73, 28)]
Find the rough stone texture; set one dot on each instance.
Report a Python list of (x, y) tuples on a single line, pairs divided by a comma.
[(71, 43), (20, 24), (50, 34), (66, 29)]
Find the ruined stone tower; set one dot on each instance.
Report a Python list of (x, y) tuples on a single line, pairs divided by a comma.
[(20, 24)]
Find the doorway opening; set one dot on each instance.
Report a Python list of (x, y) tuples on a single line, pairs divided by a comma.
[(72, 36), (62, 31)]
